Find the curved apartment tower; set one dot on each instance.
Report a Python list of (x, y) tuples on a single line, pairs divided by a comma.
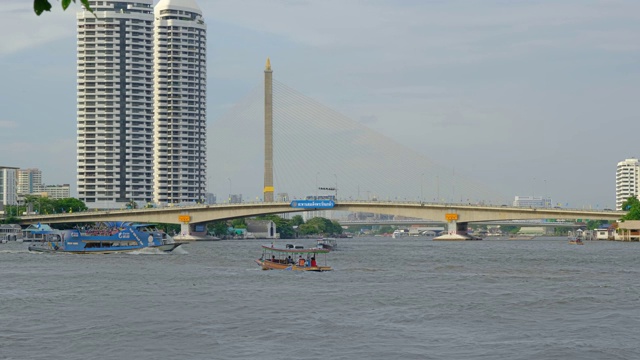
[(179, 103), (115, 103), (627, 181)]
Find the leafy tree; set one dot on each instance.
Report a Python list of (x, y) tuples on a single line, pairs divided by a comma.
[(594, 224), (509, 229), (70, 205), (307, 229), (297, 220), (10, 219), (632, 205), (320, 225), (132, 204), (40, 6), (238, 223), (386, 229), (218, 228)]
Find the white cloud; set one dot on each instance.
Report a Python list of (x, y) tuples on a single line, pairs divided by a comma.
[(4, 124), (22, 29)]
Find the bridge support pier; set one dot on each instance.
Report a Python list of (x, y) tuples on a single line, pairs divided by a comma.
[(194, 232), (456, 231)]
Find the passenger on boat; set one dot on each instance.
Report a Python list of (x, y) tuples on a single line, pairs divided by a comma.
[(289, 260), (313, 262), (273, 258), (300, 261)]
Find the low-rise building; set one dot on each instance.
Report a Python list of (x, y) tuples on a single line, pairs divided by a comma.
[(532, 201), (628, 230), (262, 229)]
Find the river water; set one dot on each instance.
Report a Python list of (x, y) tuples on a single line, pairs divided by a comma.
[(386, 299)]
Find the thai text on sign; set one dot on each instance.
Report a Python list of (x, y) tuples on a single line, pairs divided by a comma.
[(451, 217)]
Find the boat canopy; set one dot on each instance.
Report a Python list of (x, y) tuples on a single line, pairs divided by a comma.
[(296, 250)]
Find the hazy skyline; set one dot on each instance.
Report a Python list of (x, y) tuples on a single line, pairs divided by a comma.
[(527, 96)]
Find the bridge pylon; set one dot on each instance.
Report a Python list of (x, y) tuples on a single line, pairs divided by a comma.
[(268, 133)]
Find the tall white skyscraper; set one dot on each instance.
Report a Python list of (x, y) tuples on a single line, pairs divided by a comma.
[(141, 134), (179, 103), (115, 103), (627, 181)]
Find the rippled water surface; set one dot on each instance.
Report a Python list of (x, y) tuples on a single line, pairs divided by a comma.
[(386, 299)]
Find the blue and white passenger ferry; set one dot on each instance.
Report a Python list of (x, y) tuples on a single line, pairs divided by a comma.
[(106, 238)]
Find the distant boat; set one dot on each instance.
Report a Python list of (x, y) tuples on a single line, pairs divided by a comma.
[(575, 240), (399, 234), (292, 257), (106, 238), (521, 237), (327, 243)]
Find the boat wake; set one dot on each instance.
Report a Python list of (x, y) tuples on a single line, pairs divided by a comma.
[(147, 251), (180, 251), (154, 251), (14, 251)]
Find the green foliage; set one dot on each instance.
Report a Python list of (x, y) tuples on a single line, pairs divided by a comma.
[(218, 228), (44, 205), (509, 229), (320, 225), (632, 205), (297, 220), (594, 224), (386, 229), (238, 223), (71, 205), (40, 6), (10, 219), (132, 204)]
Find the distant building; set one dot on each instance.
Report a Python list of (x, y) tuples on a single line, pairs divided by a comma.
[(235, 198), (58, 191), (210, 198), (261, 229), (627, 181), (532, 201), (29, 181), (8, 186)]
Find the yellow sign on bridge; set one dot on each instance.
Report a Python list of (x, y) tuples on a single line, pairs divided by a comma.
[(451, 217), (184, 218)]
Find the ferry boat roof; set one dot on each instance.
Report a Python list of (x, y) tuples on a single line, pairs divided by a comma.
[(296, 250)]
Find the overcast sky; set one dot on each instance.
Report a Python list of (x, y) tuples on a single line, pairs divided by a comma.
[(527, 96)]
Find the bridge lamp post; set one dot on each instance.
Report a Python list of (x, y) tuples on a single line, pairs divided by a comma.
[(421, 187), (318, 173), (229, 189), (336, 185)]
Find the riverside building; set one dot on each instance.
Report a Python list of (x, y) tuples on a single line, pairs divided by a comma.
[(627, 179), (180, 67), (115, 121)]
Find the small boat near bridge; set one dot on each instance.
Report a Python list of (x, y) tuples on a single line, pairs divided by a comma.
[(292, 257)]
